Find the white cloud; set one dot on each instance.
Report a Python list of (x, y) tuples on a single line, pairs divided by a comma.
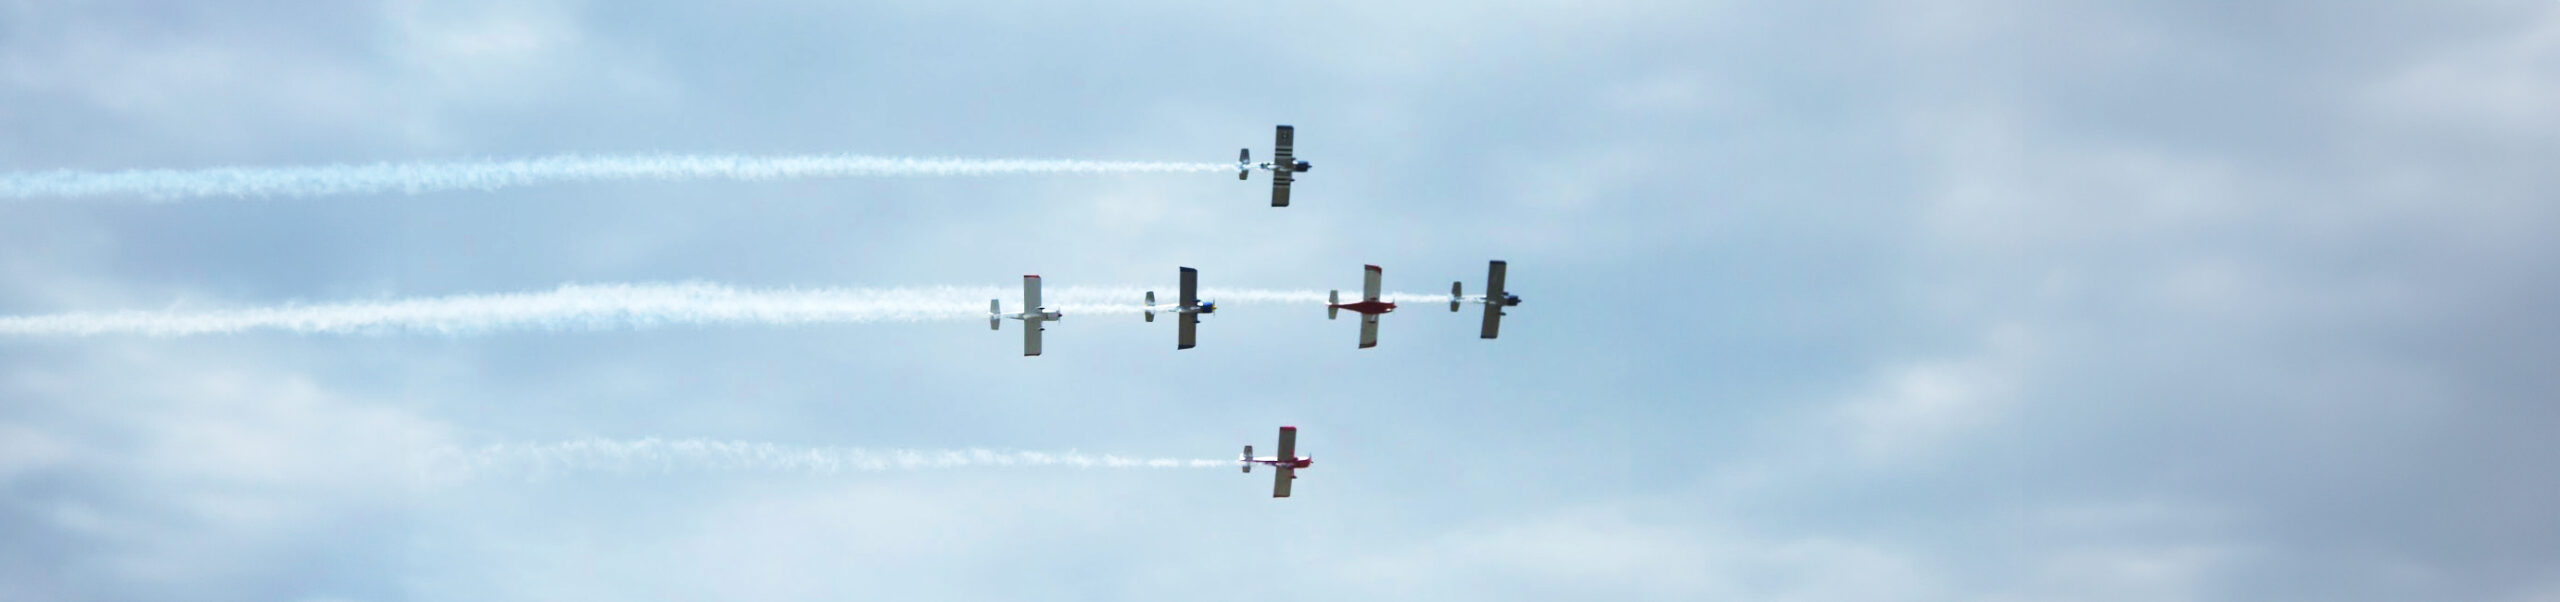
[(204, 473), (1611, 552), (1914, 409), (2497, 86)]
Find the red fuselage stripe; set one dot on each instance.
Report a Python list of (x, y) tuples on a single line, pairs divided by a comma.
[(1368, 307)]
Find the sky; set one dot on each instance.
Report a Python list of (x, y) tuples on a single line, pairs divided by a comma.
[(1832, 300)]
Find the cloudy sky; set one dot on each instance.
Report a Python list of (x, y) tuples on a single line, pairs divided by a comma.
[(1948, 300)]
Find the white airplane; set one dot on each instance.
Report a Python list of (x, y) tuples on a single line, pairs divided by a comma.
[(1033, 314), (1494, 298), (1189, 310), (1284, 163), (1287, 462), (1369, 307)]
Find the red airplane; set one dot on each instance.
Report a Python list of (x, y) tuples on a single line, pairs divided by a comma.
[(1369, 308), (1287, 462)]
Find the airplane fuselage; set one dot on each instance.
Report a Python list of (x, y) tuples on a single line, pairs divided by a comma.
[(1302, 462), (1508, 300), (1298, 167), (1204, 308), (1365, 307)]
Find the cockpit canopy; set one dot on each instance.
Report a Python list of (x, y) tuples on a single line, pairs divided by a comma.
[(1302, 166)]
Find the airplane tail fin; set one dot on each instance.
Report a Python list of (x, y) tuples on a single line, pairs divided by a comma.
[(1457, 292), (1332, 305), (1248, 459), (1151, 306), (1244, 163), (995, 314)]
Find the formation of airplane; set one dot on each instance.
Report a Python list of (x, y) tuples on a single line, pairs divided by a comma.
[(1188, 307), (1286, 464), (1187, 311), (1369, 307), (1494, 298), (1284, 163), (1032, 315)]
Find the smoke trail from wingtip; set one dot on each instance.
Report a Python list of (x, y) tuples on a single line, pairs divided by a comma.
[(621, 306), (654, 456), (485, 175)]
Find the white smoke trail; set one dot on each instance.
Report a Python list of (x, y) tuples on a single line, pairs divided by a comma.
[(626, 306), (414, 178), (697, 456)]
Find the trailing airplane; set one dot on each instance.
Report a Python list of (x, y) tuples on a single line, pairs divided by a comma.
[(1287, 462), (1032, 315), (1369, 307), (1284, 163), (1494, 298), (1188, 311)]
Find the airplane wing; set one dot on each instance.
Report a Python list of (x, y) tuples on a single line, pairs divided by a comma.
[(1284, 158), (1031, 337), (1493, 298), (1189, 326), (1189, 331), (1288, 459), (1369, 284), (1190, 288), (1368, 330), (1031, 294)]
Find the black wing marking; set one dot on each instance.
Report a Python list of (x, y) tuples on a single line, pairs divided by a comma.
[(1493, 298)]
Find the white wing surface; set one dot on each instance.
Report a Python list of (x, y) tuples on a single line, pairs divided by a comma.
[(1368, 330)]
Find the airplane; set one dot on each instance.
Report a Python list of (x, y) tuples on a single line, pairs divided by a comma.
[(1369, 308), (1287, 462), (1285, 163), (1033, 314), (1189, 310), (1494, 298)]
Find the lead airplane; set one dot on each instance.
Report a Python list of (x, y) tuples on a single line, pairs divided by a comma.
[(1283, 165), (1187, 313), (1369, 307), (1032, 315), (1287, 462), (1494, 298)]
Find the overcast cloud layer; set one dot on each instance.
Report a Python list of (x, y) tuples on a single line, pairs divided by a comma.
[(1953, 300)]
